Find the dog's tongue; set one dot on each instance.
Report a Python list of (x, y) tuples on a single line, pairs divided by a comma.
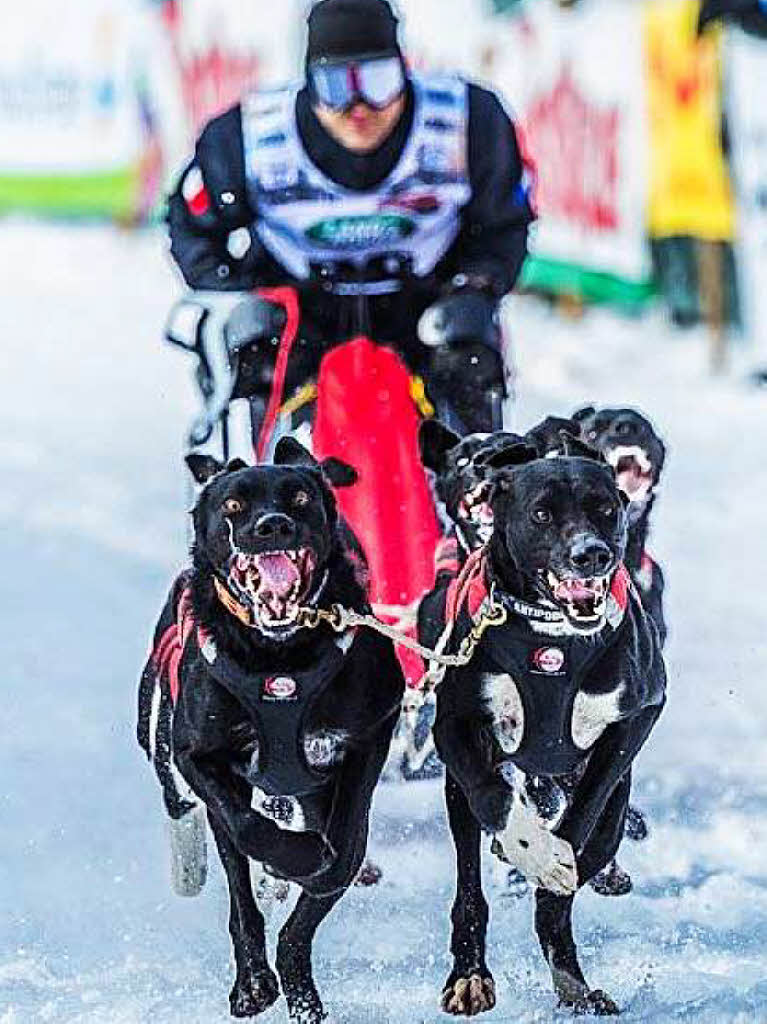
[(278, 573), (630, 476), (573, 590)]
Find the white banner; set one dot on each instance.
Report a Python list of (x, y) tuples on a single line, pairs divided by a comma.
[(222, 47), (68, 86), (581, 107), (581, 104), (747, 117)]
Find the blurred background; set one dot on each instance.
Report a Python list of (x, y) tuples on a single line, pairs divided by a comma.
[(649, 140)]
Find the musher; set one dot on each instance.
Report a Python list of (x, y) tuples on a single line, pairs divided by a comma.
[(368, 177)]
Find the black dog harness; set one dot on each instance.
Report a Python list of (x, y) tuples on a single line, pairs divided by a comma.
[(546, 663), (277, 704)]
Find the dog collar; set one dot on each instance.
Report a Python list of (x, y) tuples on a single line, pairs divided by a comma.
[(231, 603), (240, 611), (545, 618)]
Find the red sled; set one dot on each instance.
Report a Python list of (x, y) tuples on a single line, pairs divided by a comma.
[(365, 415)]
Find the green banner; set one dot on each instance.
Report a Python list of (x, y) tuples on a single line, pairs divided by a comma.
[(108, 194), (561, 278)]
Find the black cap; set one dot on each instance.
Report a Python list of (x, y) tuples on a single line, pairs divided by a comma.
[(340, 29)]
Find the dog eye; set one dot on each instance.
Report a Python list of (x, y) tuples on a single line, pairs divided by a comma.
[(463, 462), (608, 510), (592, 434), (301, 499), (541, 515), (232, 506)]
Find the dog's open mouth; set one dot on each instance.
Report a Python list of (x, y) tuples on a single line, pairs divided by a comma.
[(584, 601), (474, 507), (273, 583), (633, 470)]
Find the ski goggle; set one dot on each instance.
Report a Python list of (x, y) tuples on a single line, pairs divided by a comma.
[(374, 81)]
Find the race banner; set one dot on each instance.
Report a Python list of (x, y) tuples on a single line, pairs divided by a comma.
[(74, 130), (580, 108), (689, 186), (747, 117), (223, 47)]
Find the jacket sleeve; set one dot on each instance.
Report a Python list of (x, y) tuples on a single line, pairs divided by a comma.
[(492, 243), (210, 217)]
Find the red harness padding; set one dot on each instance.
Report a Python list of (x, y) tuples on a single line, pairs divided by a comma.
[(446, 556), (169, 650), (366, 417)]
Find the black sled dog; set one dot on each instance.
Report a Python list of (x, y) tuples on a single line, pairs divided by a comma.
[(463, 483), (637, 454), (277, 726), (539, 728)]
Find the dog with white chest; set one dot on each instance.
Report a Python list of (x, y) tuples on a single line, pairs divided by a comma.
[(260, 716), (539, 730)]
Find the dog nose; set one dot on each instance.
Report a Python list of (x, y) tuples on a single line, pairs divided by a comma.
[(590, 555), (276, 528)]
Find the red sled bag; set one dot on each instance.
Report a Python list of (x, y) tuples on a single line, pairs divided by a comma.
[(366, 416)]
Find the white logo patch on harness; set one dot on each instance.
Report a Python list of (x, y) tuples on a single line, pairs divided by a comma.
[(280, 688), (549, 660)]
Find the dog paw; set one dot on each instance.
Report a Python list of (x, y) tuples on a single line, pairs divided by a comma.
[(612, 881), (579, 998), (466, 997), (545, 860), (595, 1002), (491, 805), (636, 825), (253, 992), (368, 874), (306, 1009)]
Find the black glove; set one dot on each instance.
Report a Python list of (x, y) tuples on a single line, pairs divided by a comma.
[(465, 315), (715, 10)]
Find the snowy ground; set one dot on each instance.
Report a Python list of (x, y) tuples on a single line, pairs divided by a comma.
[(92, 528)]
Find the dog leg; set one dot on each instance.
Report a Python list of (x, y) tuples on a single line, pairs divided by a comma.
[(470, 988), (287, 854), (294, 957), (255, 986), (188, 852), (553, 924), (609, 762), (636, 825), (612, 880), (468, 753)]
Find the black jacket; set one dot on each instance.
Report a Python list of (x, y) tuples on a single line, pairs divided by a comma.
[(492, 241)]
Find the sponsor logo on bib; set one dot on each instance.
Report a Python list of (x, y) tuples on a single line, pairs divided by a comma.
[(361, 232)]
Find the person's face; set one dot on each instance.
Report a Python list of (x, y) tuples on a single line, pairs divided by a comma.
[(361, 129)]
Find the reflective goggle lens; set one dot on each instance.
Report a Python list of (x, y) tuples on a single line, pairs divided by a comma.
[(376, 82)]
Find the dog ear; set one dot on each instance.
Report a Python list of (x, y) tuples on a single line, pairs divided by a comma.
[(435, 440), (573, 446), (546, 435), (289, 452), (583, 414), (510, 455), (234, 464), (338, 472), (203, 467)]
